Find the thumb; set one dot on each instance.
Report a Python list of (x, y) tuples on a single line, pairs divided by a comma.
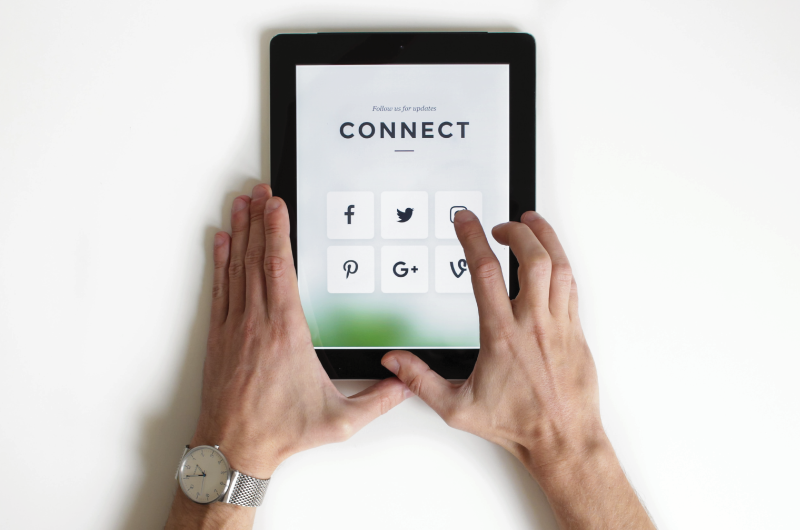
[(439, 393), (373, 402)]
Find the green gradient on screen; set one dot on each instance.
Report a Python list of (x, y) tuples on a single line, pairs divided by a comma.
[(355, 328)]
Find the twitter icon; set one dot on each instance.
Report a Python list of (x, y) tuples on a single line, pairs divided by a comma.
[(404, 216)]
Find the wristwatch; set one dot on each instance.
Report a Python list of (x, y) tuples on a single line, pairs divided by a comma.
[(205, 476)]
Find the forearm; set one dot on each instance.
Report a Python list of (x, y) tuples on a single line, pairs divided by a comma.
[(590, 490), (186, 514)]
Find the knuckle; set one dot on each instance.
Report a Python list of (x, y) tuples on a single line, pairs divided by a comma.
[(256, 215), (503, 334), (542, 260), (236, 268), (274, 266), (251, 327), (239, 227), (219, 263), (486, 267), (536, 266), (253, 255), (416, 384), (280, 336), (272, 228), (541, 329), (562, 272), (217, 290)]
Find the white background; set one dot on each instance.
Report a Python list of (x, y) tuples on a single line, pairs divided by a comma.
[(667, 161)]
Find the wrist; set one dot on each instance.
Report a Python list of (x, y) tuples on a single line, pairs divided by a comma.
[(251, 457), (186, 514), (589, 489), (548, 459), (587, 464)]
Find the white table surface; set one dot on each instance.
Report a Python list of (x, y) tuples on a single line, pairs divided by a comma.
[(668, 142)]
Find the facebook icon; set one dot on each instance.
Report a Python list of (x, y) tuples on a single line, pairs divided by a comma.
[(350, 213), (362, 226)]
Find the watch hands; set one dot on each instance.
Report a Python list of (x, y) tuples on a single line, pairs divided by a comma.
[(196, 474), (204, 477)]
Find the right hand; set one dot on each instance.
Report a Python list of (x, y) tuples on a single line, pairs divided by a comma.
[(534, 386)]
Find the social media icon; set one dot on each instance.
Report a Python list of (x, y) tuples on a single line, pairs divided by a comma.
[(453, 210), (447, 204), (451, 271), (462, 266), (404, 269), (404, 216), (351, 267), (350, 213)]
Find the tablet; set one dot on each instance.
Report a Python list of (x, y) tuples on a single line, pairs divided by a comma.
[(377, 140)]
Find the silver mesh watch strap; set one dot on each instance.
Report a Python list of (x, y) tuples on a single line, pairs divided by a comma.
[(246, 490)]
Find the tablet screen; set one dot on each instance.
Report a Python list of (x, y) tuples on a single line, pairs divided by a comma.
[(386, 155)]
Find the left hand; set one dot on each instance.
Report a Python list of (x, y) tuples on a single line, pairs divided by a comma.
[(265, 393)]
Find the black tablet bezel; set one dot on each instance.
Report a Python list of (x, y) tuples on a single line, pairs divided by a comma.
[(515, 49)]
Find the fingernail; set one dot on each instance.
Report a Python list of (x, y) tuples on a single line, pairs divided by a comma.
[(259, 192), (501, 224), (407, 393), (392, 365), (529, 216), (219, 239), (463, 216), (272, 204), (239, 204)]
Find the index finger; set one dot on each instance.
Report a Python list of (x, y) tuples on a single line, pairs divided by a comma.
[(487, 276)]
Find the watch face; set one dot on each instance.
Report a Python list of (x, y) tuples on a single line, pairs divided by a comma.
[(204, 474)]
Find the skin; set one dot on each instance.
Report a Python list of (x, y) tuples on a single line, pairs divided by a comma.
[(534, 387), (533, 390), (265, 394)]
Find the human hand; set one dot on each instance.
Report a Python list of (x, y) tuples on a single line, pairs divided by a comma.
[(534, 386), (265, 393)]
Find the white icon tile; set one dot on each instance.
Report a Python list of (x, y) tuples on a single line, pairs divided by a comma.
[(351, 269), (448, 203), (404, 215), (451, 271), (404, 269), (351, 215)]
